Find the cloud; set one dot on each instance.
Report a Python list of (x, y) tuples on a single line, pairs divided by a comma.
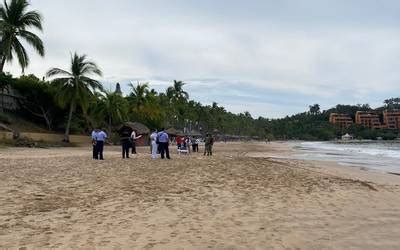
[(272, 58)]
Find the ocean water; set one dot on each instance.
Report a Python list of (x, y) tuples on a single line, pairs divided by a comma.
[(374, 155)]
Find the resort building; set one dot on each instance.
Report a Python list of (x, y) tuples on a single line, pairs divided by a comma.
[(391, 119), (340, 120), (368, 119)]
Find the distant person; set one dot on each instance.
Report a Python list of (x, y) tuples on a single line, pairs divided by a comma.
[(94, 143), (195, 144), (101, 138), (188, 143), (163, 141), (153, 144), (125, 142), (179, 141), (133, 143), (209, 141)]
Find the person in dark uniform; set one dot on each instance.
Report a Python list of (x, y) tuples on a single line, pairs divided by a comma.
[(163, 141), (125, 142), (94, 140), (209, 141), (101, 138)]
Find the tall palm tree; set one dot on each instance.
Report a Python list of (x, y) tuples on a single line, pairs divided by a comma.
[(76, 87), (139, 94), (15, 21), (176, 91)]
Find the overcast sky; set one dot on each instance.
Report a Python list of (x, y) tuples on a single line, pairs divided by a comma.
[(271, 58)]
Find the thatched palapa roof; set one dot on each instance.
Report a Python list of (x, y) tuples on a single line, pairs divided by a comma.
[(137, 126), (173, 132)]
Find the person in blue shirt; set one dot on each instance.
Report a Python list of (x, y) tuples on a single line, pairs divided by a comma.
[(94, 139), (163, 142), (100, 139)]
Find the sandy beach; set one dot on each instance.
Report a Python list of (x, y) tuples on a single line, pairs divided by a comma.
[(243, 197)]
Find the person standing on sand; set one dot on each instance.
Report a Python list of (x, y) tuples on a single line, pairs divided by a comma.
[(101, 138), (94, 140), (125, 143), (209, 141), (153, 144), (133, 138), (163, 141), (195, 144)]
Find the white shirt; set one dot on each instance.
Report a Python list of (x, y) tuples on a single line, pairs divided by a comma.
[(153, 137), (133, 135)]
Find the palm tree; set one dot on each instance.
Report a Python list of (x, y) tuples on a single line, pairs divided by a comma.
[(176, 91), (114, 108), (15, 21), (139, 94), (76, 87)]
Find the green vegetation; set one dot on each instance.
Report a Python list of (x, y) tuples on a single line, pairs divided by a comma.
[(15, 21), (77, 103), (75, 88)]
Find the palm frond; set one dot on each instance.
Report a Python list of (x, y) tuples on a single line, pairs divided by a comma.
[(33, 40), (31, 18), (57, 71), (23, 58)]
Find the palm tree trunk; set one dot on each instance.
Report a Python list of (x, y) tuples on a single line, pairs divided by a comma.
[(71, 109)]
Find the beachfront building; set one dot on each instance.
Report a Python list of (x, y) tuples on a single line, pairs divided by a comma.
[(391, 119), (368, 119), (340, 120)]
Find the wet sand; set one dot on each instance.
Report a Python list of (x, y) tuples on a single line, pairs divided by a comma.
[(240, 198)]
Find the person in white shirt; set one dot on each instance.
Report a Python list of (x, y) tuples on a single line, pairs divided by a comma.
[(133, 138), (154, 145), (195, 145)]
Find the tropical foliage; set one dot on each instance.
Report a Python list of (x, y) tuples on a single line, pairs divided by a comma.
[(75, 87), (15, 22)]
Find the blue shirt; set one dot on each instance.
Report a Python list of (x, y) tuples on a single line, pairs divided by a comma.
[(101, 136), (94, 135), (162, 137)]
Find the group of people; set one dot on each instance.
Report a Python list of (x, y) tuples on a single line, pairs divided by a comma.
[(159, 143), (187, 142), (128, 141)]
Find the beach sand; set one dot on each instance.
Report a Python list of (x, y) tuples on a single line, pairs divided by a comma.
[(240, 198)]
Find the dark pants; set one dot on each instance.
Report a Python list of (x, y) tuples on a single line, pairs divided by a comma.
[(125, 149), (95, 155), (195, 147), (100, 147), (163, 146), (133, 147)]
